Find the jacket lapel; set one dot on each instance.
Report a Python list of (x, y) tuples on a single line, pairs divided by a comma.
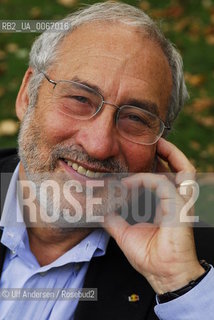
[(116, 281), (2, 254), (8, 163)]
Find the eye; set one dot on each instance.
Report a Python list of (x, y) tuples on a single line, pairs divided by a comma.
[(80, 99), (139, 119), (134, 118)]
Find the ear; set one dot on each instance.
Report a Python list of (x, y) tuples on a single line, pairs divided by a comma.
[(22, 100)]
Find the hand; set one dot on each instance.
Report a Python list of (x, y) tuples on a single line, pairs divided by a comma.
[(163, 252)]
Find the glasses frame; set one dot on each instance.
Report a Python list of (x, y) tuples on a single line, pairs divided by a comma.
[(119, 108)]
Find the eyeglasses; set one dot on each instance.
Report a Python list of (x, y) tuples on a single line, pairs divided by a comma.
[(81, 102)]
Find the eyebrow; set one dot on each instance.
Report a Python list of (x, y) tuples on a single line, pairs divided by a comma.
[(142, 104), (88, 84)]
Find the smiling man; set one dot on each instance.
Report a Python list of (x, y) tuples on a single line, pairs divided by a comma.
[(96, 100)]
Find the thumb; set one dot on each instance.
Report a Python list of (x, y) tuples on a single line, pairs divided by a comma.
[(116, 226)]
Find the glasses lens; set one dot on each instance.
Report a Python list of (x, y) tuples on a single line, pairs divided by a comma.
[(76, 100), (139, 126)]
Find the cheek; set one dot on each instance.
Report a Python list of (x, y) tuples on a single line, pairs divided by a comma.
[(57, 127), (140, 158)]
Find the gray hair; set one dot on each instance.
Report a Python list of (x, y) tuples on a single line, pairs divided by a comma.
[(44, 50)]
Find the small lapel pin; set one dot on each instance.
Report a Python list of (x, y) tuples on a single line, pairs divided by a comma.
[(133, 298)]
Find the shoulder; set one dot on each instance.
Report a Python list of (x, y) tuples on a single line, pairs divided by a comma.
[(8, 159), (204, 239)]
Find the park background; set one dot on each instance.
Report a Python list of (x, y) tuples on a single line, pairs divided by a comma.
[(189, 24)]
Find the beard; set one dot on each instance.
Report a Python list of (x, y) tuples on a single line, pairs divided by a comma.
[(50, 183)]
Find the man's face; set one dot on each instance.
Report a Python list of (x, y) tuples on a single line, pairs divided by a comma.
[(125, 65)]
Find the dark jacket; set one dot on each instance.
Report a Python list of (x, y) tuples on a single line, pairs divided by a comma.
[(112, 275)]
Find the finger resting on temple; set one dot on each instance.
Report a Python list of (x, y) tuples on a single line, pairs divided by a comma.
[(174, 157)]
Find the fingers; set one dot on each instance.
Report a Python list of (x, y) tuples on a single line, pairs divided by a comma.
[(116, 226), (162, 166), (154, 182), (164, 185), (174, 157), (171, 202)]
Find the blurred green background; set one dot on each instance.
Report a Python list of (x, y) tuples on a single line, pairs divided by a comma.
[(189, 24)]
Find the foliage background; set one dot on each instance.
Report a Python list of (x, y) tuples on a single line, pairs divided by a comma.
[(189, 24)]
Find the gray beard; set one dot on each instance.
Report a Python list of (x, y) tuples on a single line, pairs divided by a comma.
[(39, 167), (56, 210)]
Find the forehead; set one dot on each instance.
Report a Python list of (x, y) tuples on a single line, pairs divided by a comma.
[(117, 58)]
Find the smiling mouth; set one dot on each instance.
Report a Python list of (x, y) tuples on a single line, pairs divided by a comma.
[(84, 171)]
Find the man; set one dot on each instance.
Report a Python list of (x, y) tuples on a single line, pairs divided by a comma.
[(96, 99)]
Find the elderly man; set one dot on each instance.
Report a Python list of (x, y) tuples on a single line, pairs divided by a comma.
[(96, 99)]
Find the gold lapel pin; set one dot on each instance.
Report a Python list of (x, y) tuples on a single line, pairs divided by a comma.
[(133, 298)]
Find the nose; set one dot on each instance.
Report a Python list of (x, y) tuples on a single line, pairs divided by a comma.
[(98, 135)]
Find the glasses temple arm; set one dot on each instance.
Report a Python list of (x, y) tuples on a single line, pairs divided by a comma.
[(51, 81)]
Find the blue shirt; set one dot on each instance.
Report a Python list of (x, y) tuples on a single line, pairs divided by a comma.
[(22, 270), (196, 304)]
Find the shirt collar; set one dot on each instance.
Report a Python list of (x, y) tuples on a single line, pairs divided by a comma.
[(12, 222)]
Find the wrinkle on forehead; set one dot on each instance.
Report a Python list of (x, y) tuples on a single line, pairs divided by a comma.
[(117, 59), (120, 50), (109, 60), (97, 38)]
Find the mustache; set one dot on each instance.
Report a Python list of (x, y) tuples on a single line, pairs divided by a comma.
[(76, 153)]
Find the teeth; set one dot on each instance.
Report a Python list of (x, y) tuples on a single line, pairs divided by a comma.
[(98, 174), (69, 163), (83, 171), (90, 174), (75, 166)]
